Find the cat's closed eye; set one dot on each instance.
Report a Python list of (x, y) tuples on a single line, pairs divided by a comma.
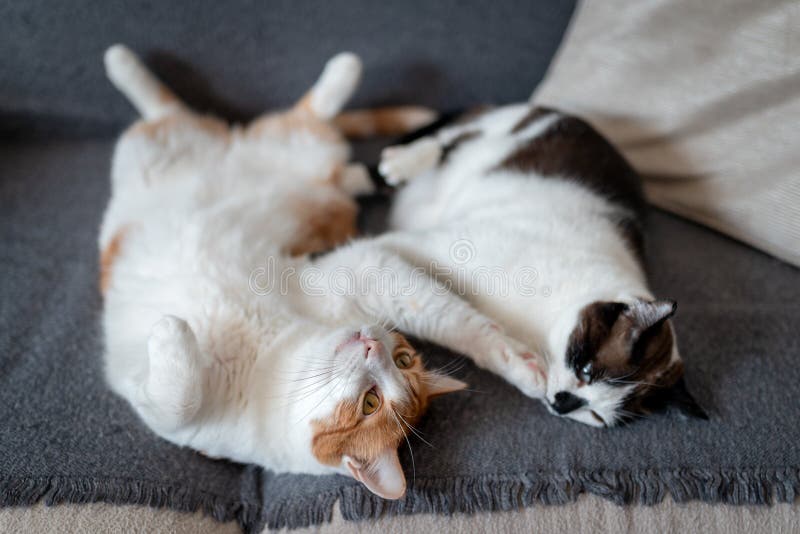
[(371, 403)]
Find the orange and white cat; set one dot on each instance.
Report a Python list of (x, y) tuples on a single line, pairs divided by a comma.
[(300, 378)]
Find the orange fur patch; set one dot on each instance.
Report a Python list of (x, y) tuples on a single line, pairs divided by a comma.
[(349, 432), (323, 227), (107, 258), (297, 119), (158, 127), (383, 121)]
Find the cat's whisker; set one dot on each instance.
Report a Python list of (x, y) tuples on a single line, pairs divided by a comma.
[(450, 369), (415, 431), (328, 394), (313, 360), (330, 384), (309, 389), (299, 395), (634, 382), (322, 373), (408, 442), (317, 373), (288, 378), (456, 364), (625, 376), (625, 414), (302, 371)]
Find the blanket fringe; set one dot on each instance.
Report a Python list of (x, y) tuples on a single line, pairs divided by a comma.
[(489, 493), (59, 490), (443, 496)]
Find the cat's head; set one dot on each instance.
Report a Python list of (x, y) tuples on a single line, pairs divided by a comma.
[(620, 362), (376, 390)]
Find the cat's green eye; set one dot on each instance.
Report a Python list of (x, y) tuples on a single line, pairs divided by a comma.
[(403, 360), (371, 403)]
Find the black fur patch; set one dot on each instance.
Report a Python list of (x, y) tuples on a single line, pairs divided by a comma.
[(532, 116), (571, 149), (452, 145)]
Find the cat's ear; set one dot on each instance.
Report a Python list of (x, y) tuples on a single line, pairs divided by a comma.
[(383, 476), (644, 319), (437, 384), (679, 398), (645, 314)]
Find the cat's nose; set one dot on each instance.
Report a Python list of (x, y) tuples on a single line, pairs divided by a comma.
[(372, 346), (565, 402)]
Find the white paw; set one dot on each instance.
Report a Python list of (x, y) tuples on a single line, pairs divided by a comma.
[(526, 372), (338, 81), (403, 162), (521, 366), (172, 345), (120, 62), (174, 386)]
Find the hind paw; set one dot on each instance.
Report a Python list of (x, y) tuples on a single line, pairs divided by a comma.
[(173, 390), (171, 341)]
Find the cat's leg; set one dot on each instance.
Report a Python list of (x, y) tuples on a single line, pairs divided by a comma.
[(401, 163), (387, 288), (334, 87), (170, 141), (172, 392), (438, 315), (405, 162), (432, 311), (148, 95)]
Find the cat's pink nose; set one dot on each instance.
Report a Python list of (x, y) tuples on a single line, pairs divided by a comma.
[(372, 345)]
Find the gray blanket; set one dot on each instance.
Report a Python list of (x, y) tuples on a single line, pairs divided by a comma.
[(65, 438)]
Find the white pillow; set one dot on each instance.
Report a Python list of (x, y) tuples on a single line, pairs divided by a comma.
[(703, 98)]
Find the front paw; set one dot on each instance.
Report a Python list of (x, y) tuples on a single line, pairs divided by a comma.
[(521, 367)]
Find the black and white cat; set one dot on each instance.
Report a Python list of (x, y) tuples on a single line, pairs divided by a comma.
[(533, 193)]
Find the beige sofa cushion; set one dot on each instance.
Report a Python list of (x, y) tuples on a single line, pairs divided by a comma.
[(703, 98)]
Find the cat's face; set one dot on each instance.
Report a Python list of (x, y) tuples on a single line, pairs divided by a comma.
[(620, 363), (379, 389)]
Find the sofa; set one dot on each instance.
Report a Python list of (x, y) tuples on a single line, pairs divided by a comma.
[(74, 458)]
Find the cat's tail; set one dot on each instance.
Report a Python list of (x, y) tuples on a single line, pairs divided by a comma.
[(334, 88), (148, 95)]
